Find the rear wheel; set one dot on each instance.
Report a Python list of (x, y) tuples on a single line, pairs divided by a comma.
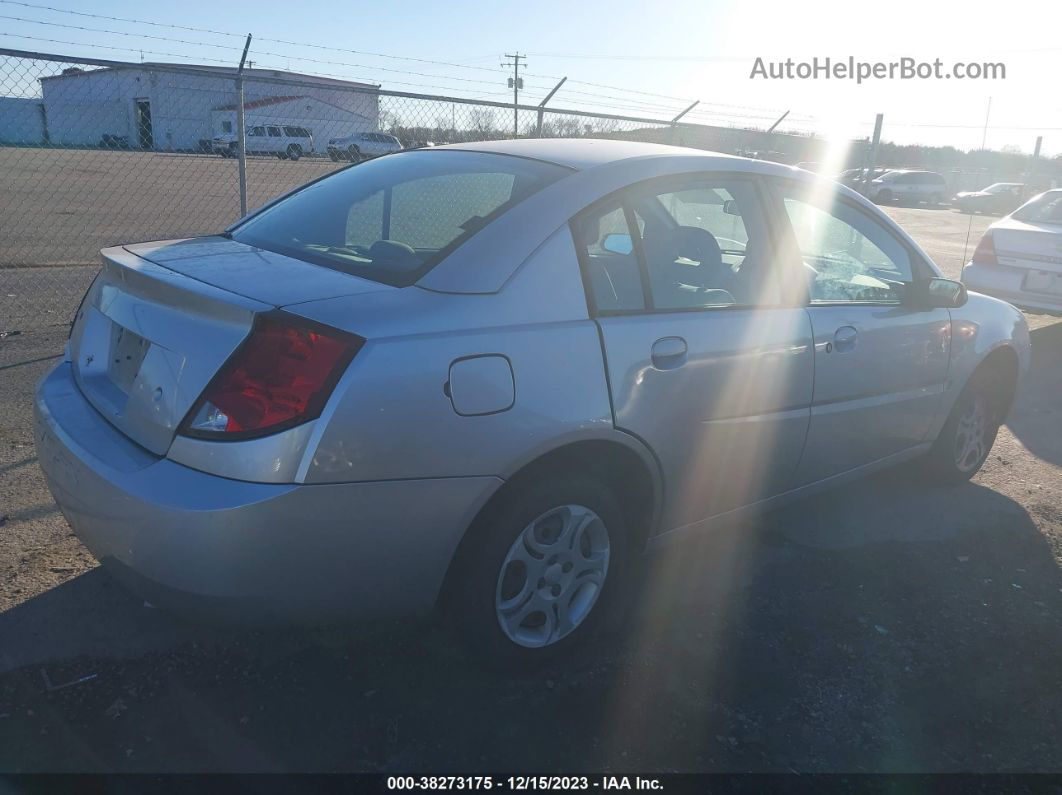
[(969, 432), (294, 151), (884, 196), (541, 570)]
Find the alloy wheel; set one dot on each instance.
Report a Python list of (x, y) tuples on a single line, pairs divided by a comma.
[(971, 435)]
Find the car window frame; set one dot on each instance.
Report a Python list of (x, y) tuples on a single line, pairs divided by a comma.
[(787, 245), (658, 185)]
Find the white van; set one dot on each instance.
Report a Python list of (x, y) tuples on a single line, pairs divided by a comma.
[(285, 141)]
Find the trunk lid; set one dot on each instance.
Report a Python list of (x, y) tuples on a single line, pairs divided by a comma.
[(1031, 246), (252, 272), (162, 318)]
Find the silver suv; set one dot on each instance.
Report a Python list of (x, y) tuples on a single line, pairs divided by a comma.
[(362, 146), (485, 378), (906, 186)]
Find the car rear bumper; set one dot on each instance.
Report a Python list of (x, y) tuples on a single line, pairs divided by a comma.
[(1005, 283), (199, 543)]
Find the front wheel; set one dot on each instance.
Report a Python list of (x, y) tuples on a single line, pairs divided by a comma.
[(969, 432), (884, 197), (294, 152), (539, 571)]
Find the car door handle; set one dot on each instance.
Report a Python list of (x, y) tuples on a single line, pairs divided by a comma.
[(844, 339), (669, 353)]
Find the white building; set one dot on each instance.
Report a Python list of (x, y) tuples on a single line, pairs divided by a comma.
[(21, 120), (156, 108)]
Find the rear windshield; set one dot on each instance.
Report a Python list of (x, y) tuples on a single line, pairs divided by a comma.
[(392, 219), (1044, 209)]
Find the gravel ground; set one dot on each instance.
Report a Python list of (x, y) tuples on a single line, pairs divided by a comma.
[(887, 626)]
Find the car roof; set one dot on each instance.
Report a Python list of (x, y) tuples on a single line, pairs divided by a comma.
[(584, 153)]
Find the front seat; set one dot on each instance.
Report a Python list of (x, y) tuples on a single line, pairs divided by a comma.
[(701, 279)]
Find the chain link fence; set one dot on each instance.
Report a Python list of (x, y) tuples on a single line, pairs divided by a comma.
[(96, 153)]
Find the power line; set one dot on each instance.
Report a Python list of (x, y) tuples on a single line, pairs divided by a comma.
[(319, 47)]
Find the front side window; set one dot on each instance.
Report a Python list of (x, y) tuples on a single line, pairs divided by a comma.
[(256, 132), (847, 256), (392, 219)]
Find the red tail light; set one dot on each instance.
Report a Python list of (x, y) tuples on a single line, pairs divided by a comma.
[(985, 253), (279, 377)]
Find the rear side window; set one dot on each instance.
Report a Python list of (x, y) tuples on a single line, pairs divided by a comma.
[(393, 218), (274, 132), (1044, 209), (690, 243)]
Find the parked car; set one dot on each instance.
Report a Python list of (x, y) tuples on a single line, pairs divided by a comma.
[(853, 177), (491, 391), (363, 145), (909, 187), (1019, 258), (1001, 198), (288, 142)]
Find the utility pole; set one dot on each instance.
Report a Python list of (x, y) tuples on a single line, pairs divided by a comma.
[(241, 133), (515, 83), (872, 160)]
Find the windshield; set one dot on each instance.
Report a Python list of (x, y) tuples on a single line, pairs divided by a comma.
[(998, 187), (392, 219), (1044, 209)]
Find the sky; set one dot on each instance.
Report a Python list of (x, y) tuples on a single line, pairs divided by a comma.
[(648, 59)]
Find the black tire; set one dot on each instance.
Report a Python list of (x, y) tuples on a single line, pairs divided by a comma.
[(884, 197), (472, 607), (294, 152), (332, 155), (946, 461)]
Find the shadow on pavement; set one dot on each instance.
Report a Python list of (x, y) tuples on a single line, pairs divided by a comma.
[(1035, 418), (886, 626)]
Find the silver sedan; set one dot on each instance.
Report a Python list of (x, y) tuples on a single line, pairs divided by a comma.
[(487, 377)]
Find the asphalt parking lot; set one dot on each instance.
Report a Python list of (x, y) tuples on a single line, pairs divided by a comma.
[(887, 626)]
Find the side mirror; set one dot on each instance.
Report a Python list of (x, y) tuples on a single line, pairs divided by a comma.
[(937, 293), (617, 243), (730, 207)]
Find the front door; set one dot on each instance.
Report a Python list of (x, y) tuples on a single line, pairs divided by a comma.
[(144, 136), (706, 362), (880, 364)]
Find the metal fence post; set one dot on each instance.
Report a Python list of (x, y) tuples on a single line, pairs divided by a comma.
[(542, 106), (675, 121), (873, 158), (241, 132)]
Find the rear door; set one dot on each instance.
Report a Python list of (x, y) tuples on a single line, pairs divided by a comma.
[(880, 365), (707, 361)]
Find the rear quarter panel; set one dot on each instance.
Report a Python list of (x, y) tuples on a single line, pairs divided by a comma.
[(391, 417)]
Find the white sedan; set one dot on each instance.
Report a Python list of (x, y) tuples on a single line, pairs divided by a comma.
[(1019, 259)]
